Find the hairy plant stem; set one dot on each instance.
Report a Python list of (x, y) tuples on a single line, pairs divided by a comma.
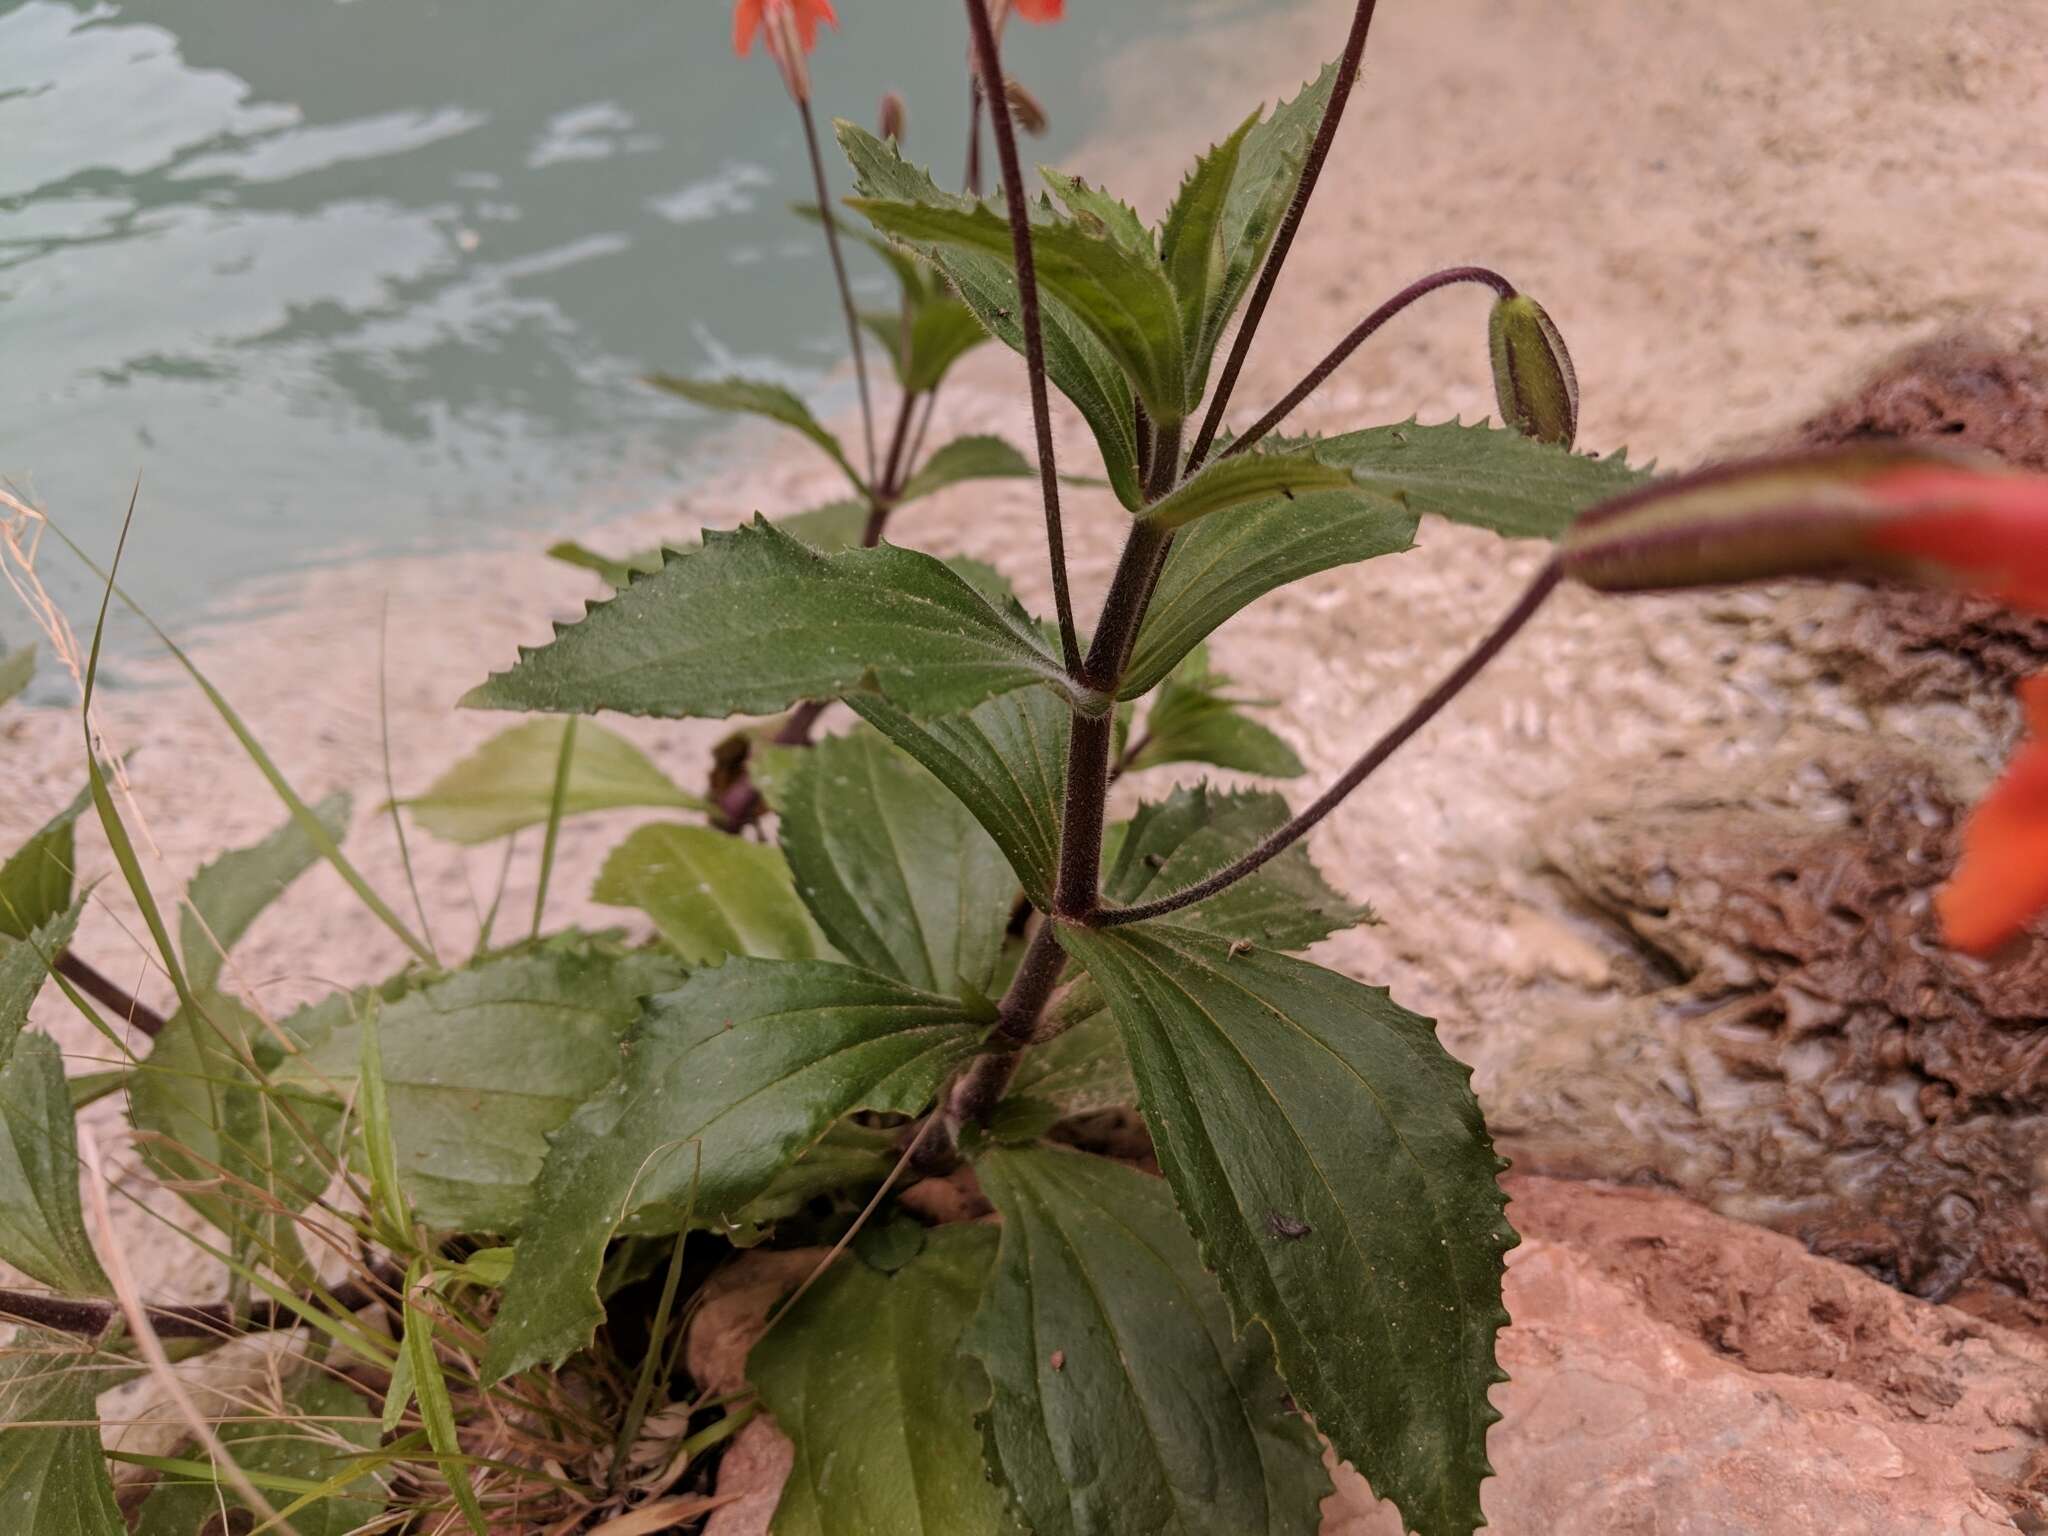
[(1431, 705), (1078, 887), (1283, 238), (924, 425), (860, 358), (101, 989), (989, 62), (1357, 337), (974, 1097), (895, 469), (976, 1092)]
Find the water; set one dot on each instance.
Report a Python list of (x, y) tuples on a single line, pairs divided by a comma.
[(338, 278)]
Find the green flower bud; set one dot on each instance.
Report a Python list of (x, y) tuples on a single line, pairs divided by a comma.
[(1532, 372)]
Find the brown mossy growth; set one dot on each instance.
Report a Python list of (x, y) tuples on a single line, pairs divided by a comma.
[(1834, 1072), (1900, 643)]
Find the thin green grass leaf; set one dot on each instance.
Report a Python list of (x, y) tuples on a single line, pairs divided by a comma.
[(412, 883), (437, 1411), (556, 802), (300, 811), (374, 1103), (103, 800), (643, 1387)]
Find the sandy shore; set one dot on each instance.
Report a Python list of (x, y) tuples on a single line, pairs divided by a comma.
[(1731, 211)]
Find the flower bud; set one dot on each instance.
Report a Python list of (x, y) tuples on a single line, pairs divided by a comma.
[(891, 124), (1026, 109), (1532, 372)]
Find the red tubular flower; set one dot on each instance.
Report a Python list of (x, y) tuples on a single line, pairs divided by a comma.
[(791, 27), (1041, 10), (747, 20), (1873, 509), (1877, 510), (1987, 532), (2001, 885)]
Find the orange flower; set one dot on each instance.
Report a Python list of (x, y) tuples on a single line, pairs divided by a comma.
[(1986, 532), (1041, 10), (2001, 885), (806, 14), (1882, 510), (791, 27)]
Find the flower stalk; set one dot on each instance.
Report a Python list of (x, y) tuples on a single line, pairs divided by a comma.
[(1431, 705), (1357, 336), (989, 66), (1283, 238)]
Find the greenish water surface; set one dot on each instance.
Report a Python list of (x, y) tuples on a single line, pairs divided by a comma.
[(342, 277)]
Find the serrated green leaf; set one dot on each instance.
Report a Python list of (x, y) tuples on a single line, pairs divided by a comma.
[(1123, 1404), (1111, 215), (1192, 720), (1082, 1070), (16, 668), (508, 783), (941, 333), (1080, 367), (1223, 564), (1121, 296), (898, 873), (35, 882), (1481, 475), (323, 1426), (616, 571), (1284, 904), (226, 896), (42, 1228), (710, 894), (1006, 761), (968, 458), (864, 1376), (1245, 478), (23, 965), (755, 397), (756, 621), (51, 1465), (727, 1081), (241, 1157), (1331, 1159), (480, 1067), (1268, 168), (828, 529), (1191, 246)]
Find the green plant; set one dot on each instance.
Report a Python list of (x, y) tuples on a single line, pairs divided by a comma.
[(484, 1193), (918, 955)]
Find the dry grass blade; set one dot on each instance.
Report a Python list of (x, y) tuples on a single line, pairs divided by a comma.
[(662, 1514)]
